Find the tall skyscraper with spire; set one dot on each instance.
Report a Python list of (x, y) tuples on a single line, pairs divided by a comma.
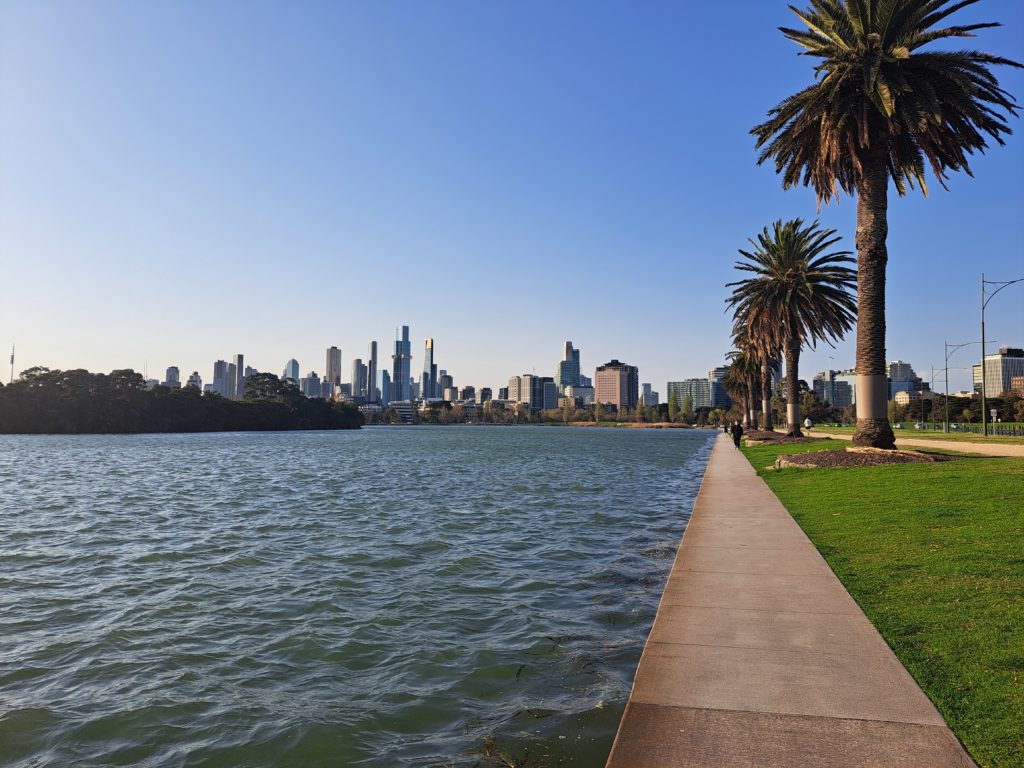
[(428, 382), (568, 372), (402, 360)]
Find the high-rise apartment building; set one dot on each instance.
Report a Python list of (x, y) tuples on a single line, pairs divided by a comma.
[(373, 393), (385, 388), (194, 380), (698, 390), (582, 395), (1000, 370), (333, 366), (503, 394), (567, 373), (512, 391), (291, 371), (231, 382), (648, 397), (428, 380), (835, 388), (220, 378), (902, 378), (719, 397), (239, 389), (402, 359), (172, 378), (617, 384)]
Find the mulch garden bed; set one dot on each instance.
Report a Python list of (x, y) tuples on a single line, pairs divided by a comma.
[(858, 457)]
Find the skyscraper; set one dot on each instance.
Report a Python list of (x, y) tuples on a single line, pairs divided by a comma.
[(239, 377), (698, 390), (195, 381), (172, 377), (402, 359), (385, 388), (333, 366), (428, 382), (617, 384), (719, 397), (291, 370), (220, 378), (358, 378), (231, 382), (373, 394), (567, 374)]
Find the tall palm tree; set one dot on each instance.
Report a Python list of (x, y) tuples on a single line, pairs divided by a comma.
[(800, 293), (765, 351), (741, 382), (880, 107)]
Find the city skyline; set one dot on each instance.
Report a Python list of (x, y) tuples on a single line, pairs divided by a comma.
[(131, 212)]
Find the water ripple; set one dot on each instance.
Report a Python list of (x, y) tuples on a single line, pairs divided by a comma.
[(392, 597)]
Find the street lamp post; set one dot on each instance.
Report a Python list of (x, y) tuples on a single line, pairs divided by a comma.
[(949, 349), (984, 303)]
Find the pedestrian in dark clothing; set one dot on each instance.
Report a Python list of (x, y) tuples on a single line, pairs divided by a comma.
[(737, 433)]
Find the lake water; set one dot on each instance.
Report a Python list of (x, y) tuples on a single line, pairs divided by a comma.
[(387, 597)]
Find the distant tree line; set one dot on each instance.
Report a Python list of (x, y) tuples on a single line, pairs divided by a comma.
[(44, 401)]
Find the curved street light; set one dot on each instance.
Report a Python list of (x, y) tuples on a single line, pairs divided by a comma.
[(985, 299)]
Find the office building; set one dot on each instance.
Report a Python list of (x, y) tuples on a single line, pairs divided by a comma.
[(648, 397), (310, 385), (250, 371), (172, 378), (483, 395), (358, 378), (586, 381), (194, 381), (1017, 385), (428, 380), (835, 388), (291, 371), (503, 393), (333, 366), (239, 388), (617, 384), (697, 390), (232, 382), (1000, 370), (373, 392), (581, 395), (567, 373), (385, 388), (220, 378), (467, 393), (511, 392), (902, 378), (401, 361)]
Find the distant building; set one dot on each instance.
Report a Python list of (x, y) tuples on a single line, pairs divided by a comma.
[(902, 378), (310, 385), (503, 393), (250, 371), (220, 378), (428, 380), (698, 390), (511, 393), (1000, 370), (483, 395), (567, 372), (172, 378), (195, 381), (467, 393), (333, 366), (450, 394), (586, 381), (291, 371), (581, 395), (908, 396), (239, 389), (385, 388), (832, 389), (373, 392), (648, 397), (358, 378), (401, 361), (617, 384), (716, 384), (1017, 385), (231, 382)]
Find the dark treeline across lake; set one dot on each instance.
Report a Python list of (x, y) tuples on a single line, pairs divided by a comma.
[(47, 401)]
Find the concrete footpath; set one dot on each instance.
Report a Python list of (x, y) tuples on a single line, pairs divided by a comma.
[(759, 656), (963, 446)]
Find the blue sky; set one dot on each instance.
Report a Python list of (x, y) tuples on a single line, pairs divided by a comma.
[(183, 181)]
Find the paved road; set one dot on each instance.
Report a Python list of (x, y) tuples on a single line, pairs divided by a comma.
[(759, 656), (985, 449)]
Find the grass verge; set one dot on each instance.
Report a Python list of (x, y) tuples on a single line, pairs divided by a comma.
[(926, 434), (933, 554)]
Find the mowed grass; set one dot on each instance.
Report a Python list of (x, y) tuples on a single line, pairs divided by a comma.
[(927, 434), (934, 554)]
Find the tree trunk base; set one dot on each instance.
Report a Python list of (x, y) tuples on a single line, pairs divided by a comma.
[(794, 432), (874, 433)]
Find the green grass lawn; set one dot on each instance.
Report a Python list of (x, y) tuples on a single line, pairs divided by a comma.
[(934, 554), (927, 434)]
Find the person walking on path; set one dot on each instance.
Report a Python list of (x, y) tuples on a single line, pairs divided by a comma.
[(808, 423), (737, 433)]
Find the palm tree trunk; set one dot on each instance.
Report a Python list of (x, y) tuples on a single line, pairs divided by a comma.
[(873, 429), (766, 396), (793, 386)]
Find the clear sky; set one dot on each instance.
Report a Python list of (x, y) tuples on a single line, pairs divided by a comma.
[(183, 181)]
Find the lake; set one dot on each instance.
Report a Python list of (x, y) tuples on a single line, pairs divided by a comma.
[(385, 597)]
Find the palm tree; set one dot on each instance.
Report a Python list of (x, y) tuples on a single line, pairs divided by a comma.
[(741, 382), (765, 351), (881, 107), (799, 294)]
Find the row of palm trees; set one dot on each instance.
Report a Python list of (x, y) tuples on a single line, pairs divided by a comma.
[(880, 108)]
